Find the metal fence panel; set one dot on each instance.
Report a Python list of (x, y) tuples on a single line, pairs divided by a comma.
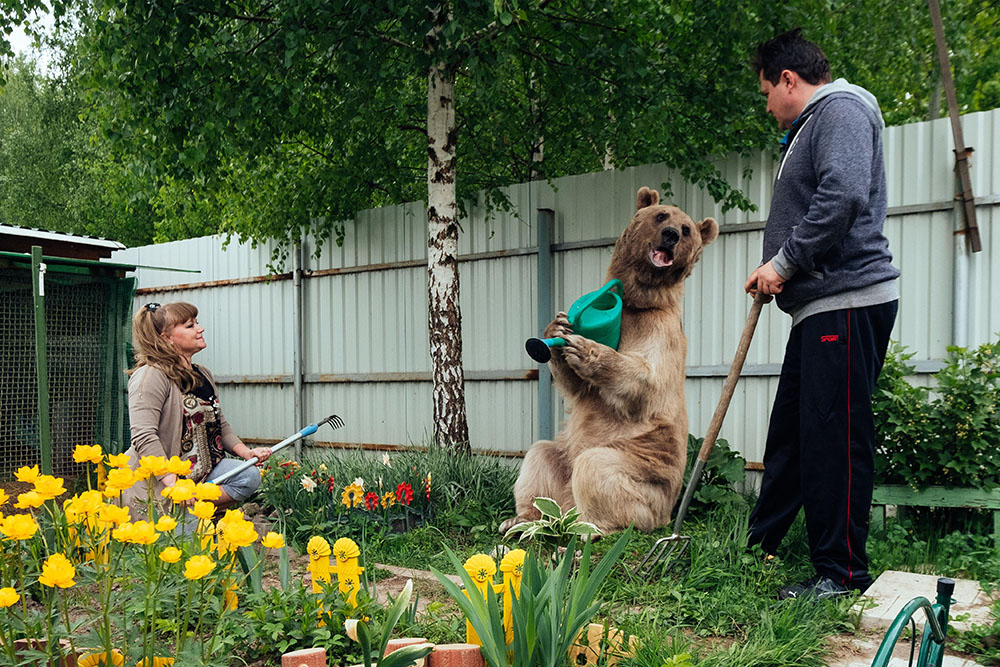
[(365, 303)]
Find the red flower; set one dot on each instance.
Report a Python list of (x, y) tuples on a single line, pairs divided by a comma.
[(371, 500), (404, 493)]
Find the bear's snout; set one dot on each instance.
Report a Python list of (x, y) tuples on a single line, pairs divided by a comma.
[(669, 238)]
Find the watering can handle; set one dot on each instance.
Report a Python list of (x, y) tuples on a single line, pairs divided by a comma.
[(588, 300)]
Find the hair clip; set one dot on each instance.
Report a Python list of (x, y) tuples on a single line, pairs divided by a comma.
[(151, 307)]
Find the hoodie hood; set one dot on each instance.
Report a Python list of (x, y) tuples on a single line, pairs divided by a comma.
[(842, 86)]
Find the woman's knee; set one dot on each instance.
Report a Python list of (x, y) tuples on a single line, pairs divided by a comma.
[(242, 486)]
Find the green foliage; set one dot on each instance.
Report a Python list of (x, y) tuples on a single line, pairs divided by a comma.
[(467, 493), (554, 605), (402, 657), (724, 469), (945, 436), (555, 528), (279, 620)]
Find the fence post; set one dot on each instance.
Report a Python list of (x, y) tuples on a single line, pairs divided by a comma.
[(41, 360), (543, 292), (297, 317)]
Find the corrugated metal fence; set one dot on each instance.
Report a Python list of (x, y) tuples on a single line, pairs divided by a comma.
[(364, 336)]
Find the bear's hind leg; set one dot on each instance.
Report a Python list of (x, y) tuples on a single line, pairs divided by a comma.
[(545, 472), (612, 491)]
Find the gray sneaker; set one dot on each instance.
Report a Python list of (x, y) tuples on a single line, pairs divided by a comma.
[(818, 587)]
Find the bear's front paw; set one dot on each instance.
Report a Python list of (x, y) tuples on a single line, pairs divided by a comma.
[(581, 354), (559, 327)]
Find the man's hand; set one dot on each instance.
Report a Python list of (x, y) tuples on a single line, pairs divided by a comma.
[(765, 280)]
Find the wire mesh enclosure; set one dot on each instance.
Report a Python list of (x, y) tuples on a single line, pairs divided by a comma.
[(87, 316)]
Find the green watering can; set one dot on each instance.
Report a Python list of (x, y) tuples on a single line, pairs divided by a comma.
[(595, 315)]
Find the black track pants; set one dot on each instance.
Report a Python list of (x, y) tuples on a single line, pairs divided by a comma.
[(821, 440)]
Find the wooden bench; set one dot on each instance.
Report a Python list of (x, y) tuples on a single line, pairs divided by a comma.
[(936, 496)]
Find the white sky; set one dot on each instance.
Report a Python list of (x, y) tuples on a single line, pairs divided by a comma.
[(21, 43)]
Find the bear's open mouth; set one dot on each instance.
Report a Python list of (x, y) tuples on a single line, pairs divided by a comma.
[(661, 258)]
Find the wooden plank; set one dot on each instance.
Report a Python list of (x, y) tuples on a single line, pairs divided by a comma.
[(936, 496)]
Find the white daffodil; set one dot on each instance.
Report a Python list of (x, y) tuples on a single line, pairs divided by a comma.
[(308, 484)]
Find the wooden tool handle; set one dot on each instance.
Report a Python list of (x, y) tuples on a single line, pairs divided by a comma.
[(734, 375)]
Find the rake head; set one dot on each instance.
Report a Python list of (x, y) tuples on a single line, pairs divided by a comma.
[(662, 552), (332, 420)]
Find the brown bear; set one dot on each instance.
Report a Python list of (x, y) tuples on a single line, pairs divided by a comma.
[(620, 457)]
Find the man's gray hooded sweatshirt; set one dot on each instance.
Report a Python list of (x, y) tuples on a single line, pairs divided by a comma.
[(824, 230)]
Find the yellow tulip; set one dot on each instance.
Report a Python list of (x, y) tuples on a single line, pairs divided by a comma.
[(88, 453), (203, 509), (197, 567), (26, 474), (18, 526), (165, 524), (57, 571), (273, 540), (8, 597), (170, 555)]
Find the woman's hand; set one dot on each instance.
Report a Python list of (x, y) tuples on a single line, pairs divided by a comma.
[(262, 454)]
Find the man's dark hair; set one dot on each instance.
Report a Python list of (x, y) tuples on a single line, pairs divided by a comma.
[(790, 50)]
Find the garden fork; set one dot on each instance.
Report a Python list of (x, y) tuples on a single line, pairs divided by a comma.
[(676, 544), (332, 420)]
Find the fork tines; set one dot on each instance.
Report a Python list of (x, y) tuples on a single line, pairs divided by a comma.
[(334, 421)]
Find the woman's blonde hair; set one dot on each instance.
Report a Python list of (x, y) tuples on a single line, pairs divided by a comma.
[(152, 349)]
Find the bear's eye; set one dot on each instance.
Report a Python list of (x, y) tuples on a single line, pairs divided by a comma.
[(660, 217), (685, 230)]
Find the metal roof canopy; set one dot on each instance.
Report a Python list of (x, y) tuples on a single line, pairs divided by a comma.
[(73, 265), (20, 239)]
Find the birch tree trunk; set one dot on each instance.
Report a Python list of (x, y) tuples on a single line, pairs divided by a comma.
[(451, 427)]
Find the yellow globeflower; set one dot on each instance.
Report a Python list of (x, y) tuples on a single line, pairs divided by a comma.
[(317, 547), (118, 460), (170, 555), (123, 533), (345, 548), (155, 465), (49, 487), (29, 499), (120, 478), (88, 453), (178, 466), (3, 497), (240, 533), (144, 532), (273, 540), (203, 509), (26, 474), (165, 524), (181, 492), (18, 526), (57, 571), (110, 492), (113, 514), (8, 597), (481, 568), (139, 474), (102, 659), (353, 495), (207, 491), (197, 567)]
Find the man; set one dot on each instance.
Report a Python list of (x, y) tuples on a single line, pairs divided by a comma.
[(828, 264)]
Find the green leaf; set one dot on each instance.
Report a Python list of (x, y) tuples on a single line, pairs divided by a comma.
[(548, 507)]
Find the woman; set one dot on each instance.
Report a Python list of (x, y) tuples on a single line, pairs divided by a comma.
[(173, 408)]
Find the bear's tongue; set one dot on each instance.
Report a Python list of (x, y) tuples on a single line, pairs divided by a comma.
[(660, 259)]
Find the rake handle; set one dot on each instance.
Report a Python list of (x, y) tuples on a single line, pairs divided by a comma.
[(308, 430), (723, 406)]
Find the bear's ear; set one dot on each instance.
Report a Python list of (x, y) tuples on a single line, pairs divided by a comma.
[(646, 197), (709, 230)]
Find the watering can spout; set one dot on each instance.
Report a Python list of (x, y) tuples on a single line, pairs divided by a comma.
[(596, 315)]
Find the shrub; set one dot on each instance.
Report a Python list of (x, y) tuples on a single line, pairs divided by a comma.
[(945, 436)]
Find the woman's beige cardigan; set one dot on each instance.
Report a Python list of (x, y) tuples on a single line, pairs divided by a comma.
[(156, 416)]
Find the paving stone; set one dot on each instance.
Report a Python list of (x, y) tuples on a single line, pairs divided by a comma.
[(893, 590)]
